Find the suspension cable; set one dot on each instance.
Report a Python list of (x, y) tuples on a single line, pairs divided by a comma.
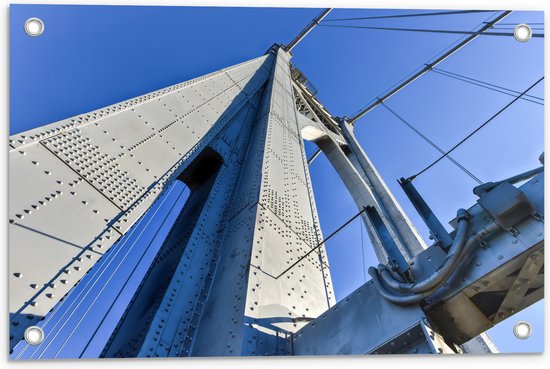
[(476, 130), (515, 24), (433, 144), (478, 33), (489, 86), (420, 72), (435, 58), (321, 243), (535, 28), (313, 156), (410, 15)]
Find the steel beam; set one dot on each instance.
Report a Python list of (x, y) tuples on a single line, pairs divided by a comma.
[(307, 30), (437, 230), (459, 311)]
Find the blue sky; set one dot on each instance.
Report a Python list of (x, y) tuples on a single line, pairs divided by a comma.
[(92, 56)]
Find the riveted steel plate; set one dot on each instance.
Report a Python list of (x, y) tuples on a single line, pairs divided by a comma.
[(57, 218), (77, 185)]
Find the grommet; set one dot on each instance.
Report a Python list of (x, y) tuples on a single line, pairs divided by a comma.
[(34, 27), (522, 32), (522, 330), (34, 335)]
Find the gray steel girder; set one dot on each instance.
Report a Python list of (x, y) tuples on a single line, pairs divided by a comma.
[(501, 277)]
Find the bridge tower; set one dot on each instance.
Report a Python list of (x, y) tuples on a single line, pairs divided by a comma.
[(215, 287), (243, 269)]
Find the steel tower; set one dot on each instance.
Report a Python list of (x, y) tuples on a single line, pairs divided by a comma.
[(243, 270)]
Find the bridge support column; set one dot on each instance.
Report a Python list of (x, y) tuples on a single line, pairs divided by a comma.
[(406, 232)]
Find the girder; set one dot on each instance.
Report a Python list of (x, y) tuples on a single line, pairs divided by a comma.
[(500, 277)]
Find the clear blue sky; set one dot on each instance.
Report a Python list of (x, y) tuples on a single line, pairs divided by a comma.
[(92, 56)]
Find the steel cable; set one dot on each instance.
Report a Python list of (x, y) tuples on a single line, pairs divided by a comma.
[(433, 144), (477, 129), (438, 58), (410, 15), (446, 31), (489, 86), (109, 258)]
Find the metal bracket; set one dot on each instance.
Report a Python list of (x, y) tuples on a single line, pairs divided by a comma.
[(520, 286), (507, 205)]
